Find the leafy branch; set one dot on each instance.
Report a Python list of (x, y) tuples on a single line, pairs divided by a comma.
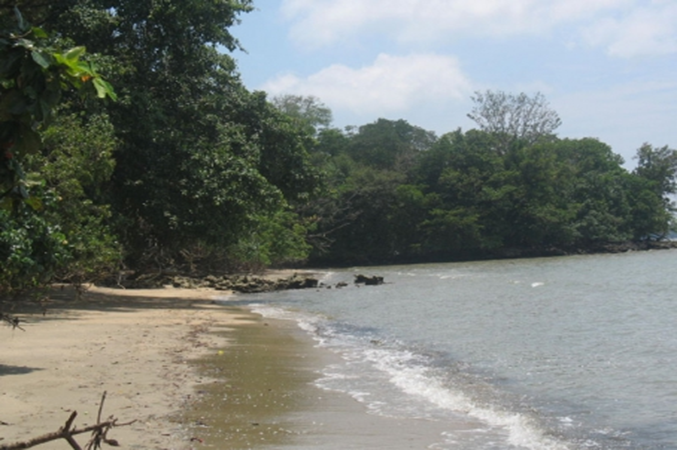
[(32, 77)]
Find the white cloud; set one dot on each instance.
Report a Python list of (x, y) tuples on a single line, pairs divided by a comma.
[(391, 84), (623, 27), (644, 31)]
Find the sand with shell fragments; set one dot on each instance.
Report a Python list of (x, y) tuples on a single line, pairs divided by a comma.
[(133, 344)]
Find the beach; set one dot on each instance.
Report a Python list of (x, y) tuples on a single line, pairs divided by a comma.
[(136, 345), (189, 367)]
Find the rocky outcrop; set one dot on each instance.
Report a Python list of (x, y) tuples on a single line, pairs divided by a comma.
[(245, 283), (248, 283)]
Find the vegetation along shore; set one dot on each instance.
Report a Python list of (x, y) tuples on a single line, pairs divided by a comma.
[(131, 151), (135, 148)]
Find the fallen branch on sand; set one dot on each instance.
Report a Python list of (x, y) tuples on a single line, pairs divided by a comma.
[(11, 321), (67, 432)]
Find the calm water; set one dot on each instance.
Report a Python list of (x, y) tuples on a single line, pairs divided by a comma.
[(556, 353)]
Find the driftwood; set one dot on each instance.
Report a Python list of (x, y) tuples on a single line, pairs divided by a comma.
[(10, 320), (67, 432)]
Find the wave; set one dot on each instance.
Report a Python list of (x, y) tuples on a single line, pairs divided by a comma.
[(395, 380)]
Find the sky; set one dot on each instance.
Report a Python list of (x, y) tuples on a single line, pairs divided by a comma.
[(607, 67)]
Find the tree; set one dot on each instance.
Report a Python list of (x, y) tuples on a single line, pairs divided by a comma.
[(390, 144), (648, 216), (514, 117), (32, 79), (33, 76), (594, 185), (474, 193), (74, 165), (364, 231), (657, 170), (202, 161), (309, 110), (659, 166)]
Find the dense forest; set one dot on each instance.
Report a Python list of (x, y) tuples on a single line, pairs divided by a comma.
[(147, 153)]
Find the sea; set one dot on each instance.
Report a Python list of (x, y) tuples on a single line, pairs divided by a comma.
[(575, 352)]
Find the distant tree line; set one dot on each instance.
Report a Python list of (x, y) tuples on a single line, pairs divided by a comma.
[(177, 166), (398, 193)]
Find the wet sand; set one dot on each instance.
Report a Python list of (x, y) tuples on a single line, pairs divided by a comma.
[(265, 397)]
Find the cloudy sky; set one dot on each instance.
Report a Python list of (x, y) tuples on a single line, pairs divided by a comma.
[(608, 67)]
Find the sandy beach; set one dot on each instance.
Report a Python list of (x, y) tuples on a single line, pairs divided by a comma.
[(192, 371), (134, 344)]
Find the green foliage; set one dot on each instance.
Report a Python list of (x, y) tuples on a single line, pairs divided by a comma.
[(659, 167), (31, 249), (474, 191), (332, 142), (649, 218), (279, 240), (387, 144), (656, 175), (201, 160), (459, 197), (369, 199), (309, 111), (33, 75), (75, 163)]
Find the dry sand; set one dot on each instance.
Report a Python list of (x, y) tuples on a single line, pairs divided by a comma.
[(134, 344)]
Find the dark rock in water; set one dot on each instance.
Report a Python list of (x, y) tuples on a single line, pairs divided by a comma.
[(302, 282), (341, 284), (368, 281)]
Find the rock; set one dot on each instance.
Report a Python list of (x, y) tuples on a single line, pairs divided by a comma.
[(297, 282), (243, 283), (368, 281), (211, 279), (182, 282)]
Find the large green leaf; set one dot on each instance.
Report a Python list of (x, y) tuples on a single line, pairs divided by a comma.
[(74, 53), (104, 88), (42, 58), (39, 33)]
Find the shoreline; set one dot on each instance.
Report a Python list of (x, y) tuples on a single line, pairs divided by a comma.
[(264, 395), (473, 255), (191, 370)]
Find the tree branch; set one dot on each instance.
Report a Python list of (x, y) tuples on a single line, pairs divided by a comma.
[(66, 432)]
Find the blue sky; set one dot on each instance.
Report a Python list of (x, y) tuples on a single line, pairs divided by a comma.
[(608, 67)]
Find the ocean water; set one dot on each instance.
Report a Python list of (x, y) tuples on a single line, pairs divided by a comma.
[(572, 352)]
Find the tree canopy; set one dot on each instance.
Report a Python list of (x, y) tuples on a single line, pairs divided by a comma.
[(457, 197), (514, 117)]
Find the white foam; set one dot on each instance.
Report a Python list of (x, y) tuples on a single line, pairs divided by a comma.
[(416, 381), (326, 276)]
